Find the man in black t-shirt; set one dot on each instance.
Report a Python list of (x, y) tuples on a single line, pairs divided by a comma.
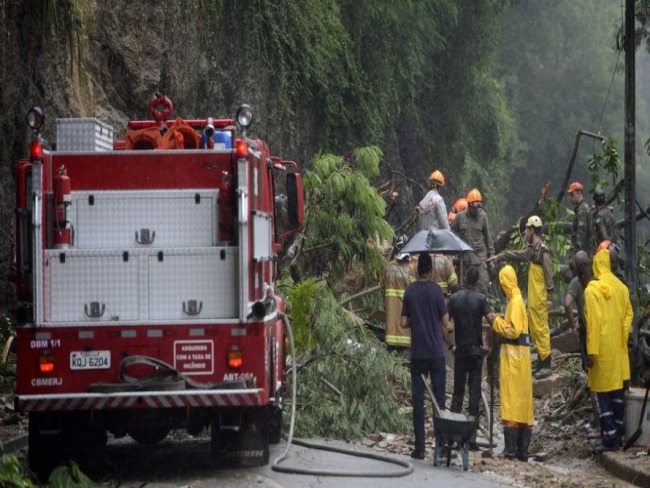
[(467, 307), (425, 312)]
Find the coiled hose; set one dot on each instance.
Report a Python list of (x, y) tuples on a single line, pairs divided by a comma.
[(275, 466)]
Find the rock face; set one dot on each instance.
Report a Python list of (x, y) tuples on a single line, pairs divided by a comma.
[(106, 60)]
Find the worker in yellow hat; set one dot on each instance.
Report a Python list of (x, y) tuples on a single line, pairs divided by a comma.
[(432, 211), (472, 226), (540, 290)]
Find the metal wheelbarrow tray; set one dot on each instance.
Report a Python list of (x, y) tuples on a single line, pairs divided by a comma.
[(450, 427)]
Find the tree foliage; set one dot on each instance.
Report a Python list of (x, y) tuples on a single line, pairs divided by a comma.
[(343, 216), (348, 383)]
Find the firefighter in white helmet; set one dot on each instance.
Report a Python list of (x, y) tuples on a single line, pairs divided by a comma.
[(540, 290)]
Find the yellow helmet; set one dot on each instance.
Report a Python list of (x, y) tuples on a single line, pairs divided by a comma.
[(474, 196), (437, 178)]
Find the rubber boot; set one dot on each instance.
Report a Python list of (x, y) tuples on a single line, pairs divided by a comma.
[(523, 440), (545, 368), (510, 440)]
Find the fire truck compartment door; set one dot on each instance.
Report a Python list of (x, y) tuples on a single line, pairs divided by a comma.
[(191, 284), (137, 219), (90, 286)]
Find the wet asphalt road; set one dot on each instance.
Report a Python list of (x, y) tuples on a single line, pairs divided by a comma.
[(187, 464)]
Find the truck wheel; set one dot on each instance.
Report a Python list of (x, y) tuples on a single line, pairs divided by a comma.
[(241, 440), (44, 445), (148, 435)]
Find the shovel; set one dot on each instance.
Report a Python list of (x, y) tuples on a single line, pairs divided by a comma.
[(639, 430)]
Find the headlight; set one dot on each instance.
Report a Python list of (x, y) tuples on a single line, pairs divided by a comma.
[(245, 116), (35, 118)]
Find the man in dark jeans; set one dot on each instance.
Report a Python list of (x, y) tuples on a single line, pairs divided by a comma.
[(425, 312), (467, 307)]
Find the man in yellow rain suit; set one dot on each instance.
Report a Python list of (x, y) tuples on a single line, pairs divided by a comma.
[(605, 335), (398, 275), (540, 290), (605, 256), (515, 375)]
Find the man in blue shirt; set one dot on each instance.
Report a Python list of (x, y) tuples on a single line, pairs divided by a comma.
[(425, 312)]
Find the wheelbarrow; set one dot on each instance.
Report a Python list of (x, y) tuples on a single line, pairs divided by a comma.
[(450, 428)]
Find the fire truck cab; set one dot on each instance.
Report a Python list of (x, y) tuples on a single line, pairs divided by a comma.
[(146, 285)]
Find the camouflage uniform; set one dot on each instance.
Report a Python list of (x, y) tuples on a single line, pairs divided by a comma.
[(605, 227), (581, 231), (475, 231)]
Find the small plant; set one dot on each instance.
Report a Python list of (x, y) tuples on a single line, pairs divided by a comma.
[(11, 472)]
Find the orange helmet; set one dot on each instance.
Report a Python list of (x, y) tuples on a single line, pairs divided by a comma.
[(607, 245), (451, 217), (437, 178), (575, 186), (474, 196), (461, 204)]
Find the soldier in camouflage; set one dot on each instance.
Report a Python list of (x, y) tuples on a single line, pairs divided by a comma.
[(581, 238)]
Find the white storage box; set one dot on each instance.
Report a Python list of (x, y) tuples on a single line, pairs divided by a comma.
[(86, 286), (144, 219), (141, 285), (83, 135), (633, 405)]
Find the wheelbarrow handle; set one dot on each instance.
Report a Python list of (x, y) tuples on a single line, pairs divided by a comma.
[(436, 407)]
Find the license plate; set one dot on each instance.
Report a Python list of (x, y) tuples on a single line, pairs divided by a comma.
[(90, 360)]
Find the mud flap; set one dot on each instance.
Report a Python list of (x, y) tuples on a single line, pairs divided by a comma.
[(240, 438)]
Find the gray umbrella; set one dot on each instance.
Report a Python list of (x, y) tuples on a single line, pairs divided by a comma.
[(436, 240)]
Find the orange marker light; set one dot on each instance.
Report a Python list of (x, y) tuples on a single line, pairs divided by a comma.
[(235, 357), (46, 362)]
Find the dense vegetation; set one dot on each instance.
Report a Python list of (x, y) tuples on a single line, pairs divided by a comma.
[(491, 92)]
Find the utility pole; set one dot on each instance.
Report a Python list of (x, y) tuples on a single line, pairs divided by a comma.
[(630, 171)]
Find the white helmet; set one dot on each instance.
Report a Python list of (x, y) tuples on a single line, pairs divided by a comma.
[(403, 256), (534, 221)]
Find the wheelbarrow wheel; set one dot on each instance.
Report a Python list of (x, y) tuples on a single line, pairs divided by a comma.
[(464, 451), (437, 450)]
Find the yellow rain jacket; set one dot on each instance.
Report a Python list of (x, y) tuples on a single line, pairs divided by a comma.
[(397, 276), (604, 338), (515, 375), (603, 270), (540, 285)]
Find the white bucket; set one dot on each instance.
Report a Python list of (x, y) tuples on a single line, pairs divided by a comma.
[(633, 405)]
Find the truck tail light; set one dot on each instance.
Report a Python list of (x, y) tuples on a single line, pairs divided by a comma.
[(242, 149), (235, 358), (46, 362)]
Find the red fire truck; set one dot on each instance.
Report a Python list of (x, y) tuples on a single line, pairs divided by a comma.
[(147, 269)]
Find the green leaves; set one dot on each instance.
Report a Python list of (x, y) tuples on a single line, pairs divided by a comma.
[(332, 348), (345, 215)]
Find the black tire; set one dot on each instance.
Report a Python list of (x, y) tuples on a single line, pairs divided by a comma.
[(45, 450), (148, 435)]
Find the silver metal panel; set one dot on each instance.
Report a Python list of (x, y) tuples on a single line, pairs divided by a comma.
[(87, 288), (121, 219), (243, 202), (262, 250), (37, 256), (83, 135), (193, 284)]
